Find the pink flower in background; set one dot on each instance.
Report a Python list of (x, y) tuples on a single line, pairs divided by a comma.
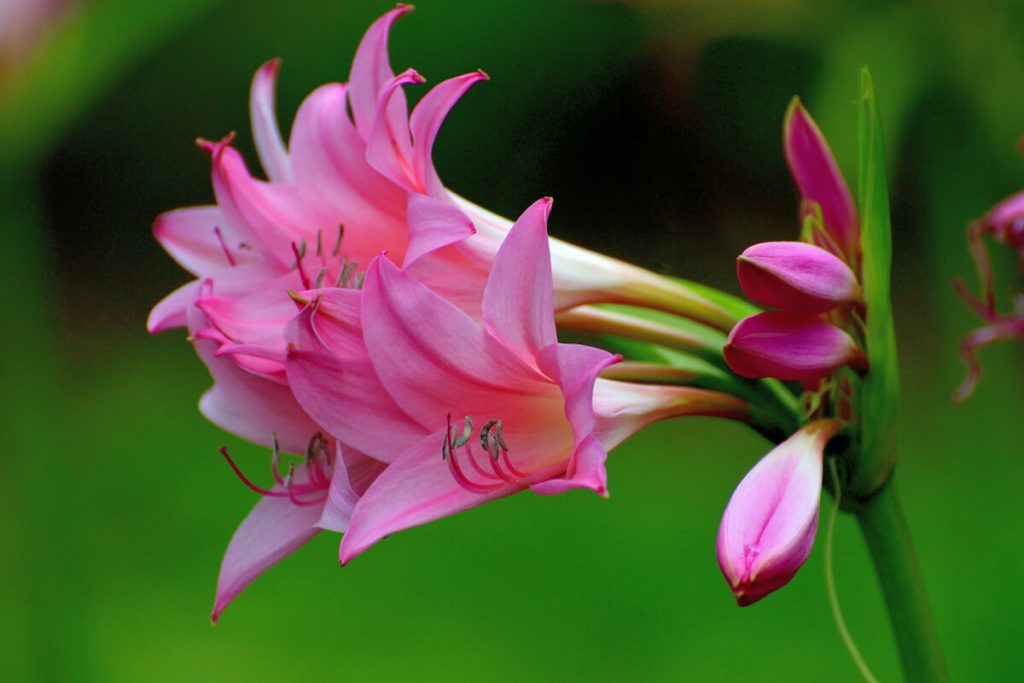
[(769, 525), (465, 411), (1004, 224)]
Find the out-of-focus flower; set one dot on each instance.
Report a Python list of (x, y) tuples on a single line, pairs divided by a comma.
[(769, 525), (466, 410), (1005, 224), (22, 23), (790, 347)]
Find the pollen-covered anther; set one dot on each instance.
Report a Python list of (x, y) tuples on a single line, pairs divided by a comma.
[(502, 472), (311, 490)]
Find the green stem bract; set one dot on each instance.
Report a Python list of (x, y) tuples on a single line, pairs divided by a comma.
[(888, 538)]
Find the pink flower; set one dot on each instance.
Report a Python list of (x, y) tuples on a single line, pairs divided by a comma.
[(466, 411), (770, 522), (1004, 223)]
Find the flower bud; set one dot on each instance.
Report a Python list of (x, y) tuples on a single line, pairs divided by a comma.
[(769, 525), (820, 181), (796, 277), (790, 347)]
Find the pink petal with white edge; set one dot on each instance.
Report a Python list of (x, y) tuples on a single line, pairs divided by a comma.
[(273, 530), (433, 224), (517, 303), (796, 277), (769, 525), (818, 176), (425, 122), (371, 70), (389, 149), (432, 357), (265, 133)]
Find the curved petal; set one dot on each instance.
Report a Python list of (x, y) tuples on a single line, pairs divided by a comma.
[(517, 303), (426, 120), (352, 475), (329, 157), (371, 70), (248, 405), (818, 176), (432, 357), (415, 489), (575, 367), (199, 238), (344, 394), (265, 133), (389, 148), (170, 312), (433, 224), (273, 530)]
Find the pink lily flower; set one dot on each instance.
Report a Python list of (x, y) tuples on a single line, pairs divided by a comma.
[(343, 190), (465, 410), (769, 525)]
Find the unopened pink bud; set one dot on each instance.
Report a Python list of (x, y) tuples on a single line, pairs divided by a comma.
[(796, 277), (770, 522), (790, 347)]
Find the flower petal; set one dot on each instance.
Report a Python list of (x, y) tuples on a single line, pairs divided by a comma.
[(415, 489), (352, 475), (432, 357), (770, 522), (343, 393), (265, 133), (389, 148), (517, 303), (273, 530), (433, 224), (170, 312), (371, 70), (426, 120), (796, 277), (818, 176)]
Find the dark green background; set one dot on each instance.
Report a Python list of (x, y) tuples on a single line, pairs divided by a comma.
[(657, 128)]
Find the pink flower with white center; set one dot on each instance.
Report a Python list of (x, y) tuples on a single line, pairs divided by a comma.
[(769, 525), (464, 410)]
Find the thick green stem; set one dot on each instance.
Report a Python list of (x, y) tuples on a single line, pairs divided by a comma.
[(892, 550)]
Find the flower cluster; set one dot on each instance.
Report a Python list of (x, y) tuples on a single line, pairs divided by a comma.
[(771, 520), (350, 308)]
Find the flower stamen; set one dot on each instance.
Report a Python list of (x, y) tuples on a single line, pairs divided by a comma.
[(312, 491)]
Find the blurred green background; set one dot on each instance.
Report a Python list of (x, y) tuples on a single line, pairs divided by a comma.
[(657, 127)]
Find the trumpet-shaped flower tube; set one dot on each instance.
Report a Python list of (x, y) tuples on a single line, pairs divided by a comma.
[(796, 277), (769, 525), (790, 347)]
